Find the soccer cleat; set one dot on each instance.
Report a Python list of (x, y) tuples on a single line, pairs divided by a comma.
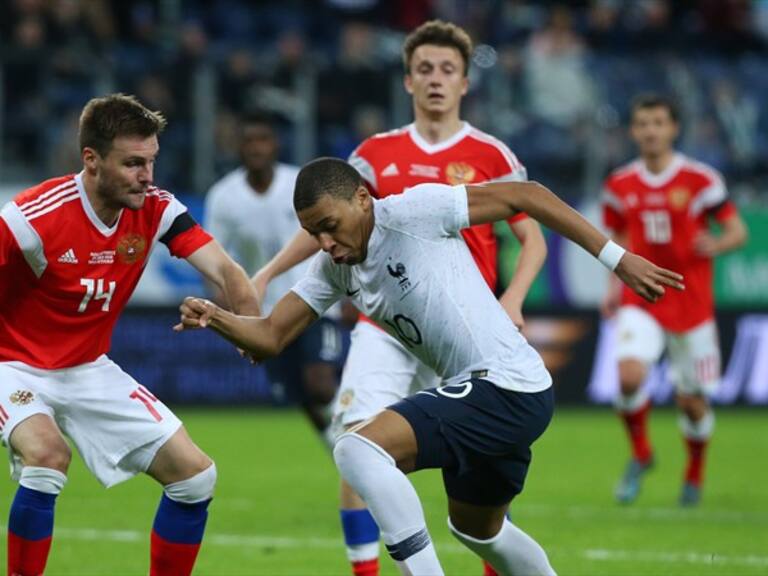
[(629, 487), (690, 495)]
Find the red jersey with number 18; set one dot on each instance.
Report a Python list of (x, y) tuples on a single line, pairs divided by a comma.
[(662, 214), (65, 276)]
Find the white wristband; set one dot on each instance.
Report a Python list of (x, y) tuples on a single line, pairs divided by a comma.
[(610, 255)]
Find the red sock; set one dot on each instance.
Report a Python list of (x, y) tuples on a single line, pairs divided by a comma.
[(488, 569), (637, 428), (366, 567), (170, 558), (27, 557), (696, 450)]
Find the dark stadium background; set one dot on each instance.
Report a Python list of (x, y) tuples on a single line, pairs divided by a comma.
[(553, 80)]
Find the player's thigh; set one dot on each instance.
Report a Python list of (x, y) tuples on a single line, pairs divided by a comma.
[(116, 424), (391, 432), (378, 372), (694, 360), (27, 424), (473, 425), (179, 458), (639, 337)]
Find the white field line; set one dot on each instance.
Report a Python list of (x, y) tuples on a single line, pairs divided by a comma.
[(288, 543), (718, 516)]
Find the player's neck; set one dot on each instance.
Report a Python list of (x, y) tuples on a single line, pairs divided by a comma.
[(107, 214), (656, 164), (436, 130), (261, 181)]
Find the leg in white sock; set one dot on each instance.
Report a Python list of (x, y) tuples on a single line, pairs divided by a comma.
[(511, 552), (392, 500)]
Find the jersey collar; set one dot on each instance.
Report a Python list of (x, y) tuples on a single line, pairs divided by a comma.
[(439, 146), (663, 177), (91, 213)]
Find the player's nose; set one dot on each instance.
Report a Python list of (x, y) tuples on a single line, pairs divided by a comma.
[(326, 241)]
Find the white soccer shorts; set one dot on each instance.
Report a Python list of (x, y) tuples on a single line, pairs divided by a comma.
[(379, 371), (116, 424), (694, 356)]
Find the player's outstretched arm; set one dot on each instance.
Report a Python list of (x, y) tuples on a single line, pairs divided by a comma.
[(301, 247), (501, 200), (261, 337), (228, 277)]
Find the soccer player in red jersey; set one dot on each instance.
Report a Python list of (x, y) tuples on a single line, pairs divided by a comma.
[(437, 147), (660, 206), (72, 249)]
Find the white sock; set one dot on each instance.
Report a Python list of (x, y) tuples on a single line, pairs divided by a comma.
[(393, 502), (511, 552), (700, 430)]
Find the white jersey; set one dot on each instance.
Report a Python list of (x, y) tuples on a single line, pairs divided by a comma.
[(420, 284), (253, 227)]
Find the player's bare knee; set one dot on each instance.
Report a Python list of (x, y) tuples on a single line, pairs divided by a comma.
[(631, 376), (481, 528), (693, 406)]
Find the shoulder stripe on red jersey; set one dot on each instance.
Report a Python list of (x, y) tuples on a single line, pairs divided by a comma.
[(49, 197), (364, 168), (26, 237), (610, 199), (46, 195), (390, 133), (514, 163), (50, 207)]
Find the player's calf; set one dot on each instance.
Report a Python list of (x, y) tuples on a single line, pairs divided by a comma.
[(30, 523), (180, 523)]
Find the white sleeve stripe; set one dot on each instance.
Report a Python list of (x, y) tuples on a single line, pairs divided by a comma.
[(52, 191), (26, 237), (364, 168), (31, 215), (712, 196), (171, 212), (514, 163), (612, 200)]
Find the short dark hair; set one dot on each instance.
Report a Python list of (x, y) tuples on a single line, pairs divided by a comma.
[(104, 119), (257, 117), (438, 33), (652, 100), (325, 176)]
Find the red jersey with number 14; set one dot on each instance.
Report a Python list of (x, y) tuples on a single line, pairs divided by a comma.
[(662, 214), (65, 276), (393, 161)]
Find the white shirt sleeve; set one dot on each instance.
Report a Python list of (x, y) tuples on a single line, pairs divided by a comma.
[(216, 221), (429, 211), (320, 287)]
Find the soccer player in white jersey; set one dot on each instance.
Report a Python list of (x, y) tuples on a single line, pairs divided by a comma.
[(72, 249), (437, 147), (406, 265), (250, 212)]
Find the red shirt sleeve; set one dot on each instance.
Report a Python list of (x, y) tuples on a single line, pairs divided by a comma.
[(723, 211), (517, 218), (8, 245), (185, 243)]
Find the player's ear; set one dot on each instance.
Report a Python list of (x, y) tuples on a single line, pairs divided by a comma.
[(408, 83), (464, 85), (362, 195), (90, 158)]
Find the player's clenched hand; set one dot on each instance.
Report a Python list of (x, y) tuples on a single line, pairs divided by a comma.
[(195, 313), (705, 244), (645, 278)]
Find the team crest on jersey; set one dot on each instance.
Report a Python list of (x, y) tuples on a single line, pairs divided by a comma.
[(131, 248), (21, 397), (678, 197), (459, 173), (345, 400)]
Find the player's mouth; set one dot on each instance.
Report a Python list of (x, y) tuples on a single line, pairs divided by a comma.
[(435, 97)]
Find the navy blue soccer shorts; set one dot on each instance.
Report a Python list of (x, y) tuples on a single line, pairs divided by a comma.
[(324, 342), (479, 434)]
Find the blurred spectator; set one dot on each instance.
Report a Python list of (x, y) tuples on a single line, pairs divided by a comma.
[(560, 90), (738, 116)]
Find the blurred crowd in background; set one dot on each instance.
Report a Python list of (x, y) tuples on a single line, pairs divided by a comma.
[(553, 80)]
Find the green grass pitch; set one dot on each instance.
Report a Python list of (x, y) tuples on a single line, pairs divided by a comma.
[(275, 511)]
